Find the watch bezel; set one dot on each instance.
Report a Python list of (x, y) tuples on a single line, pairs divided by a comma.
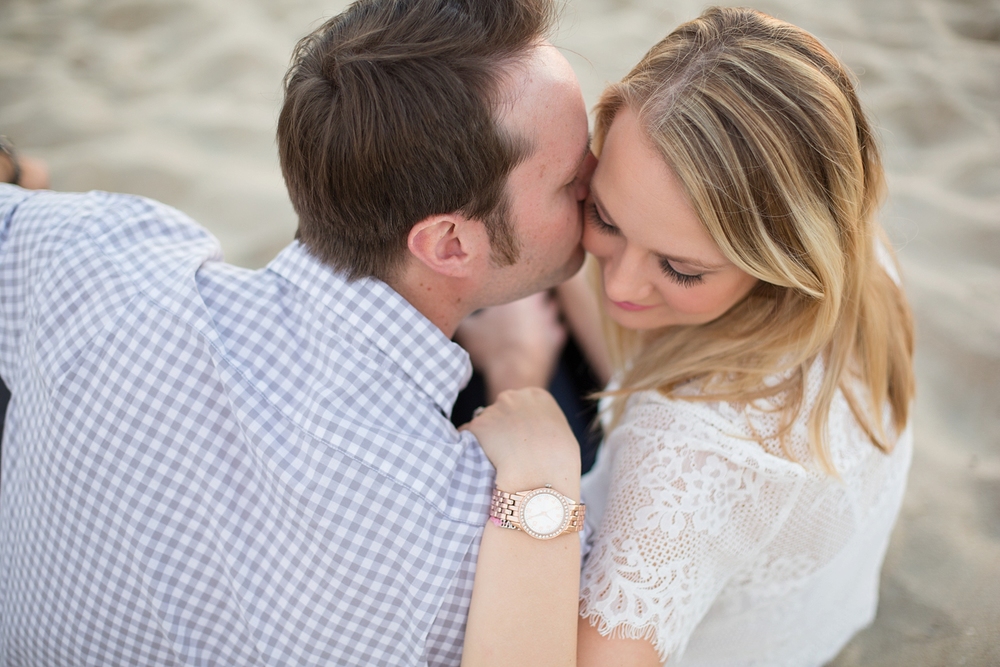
[(523, 504)]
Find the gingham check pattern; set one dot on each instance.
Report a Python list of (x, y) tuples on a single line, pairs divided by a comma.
[(205, 465)]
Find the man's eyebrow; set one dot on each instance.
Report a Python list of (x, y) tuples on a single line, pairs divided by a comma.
[(673, 258)]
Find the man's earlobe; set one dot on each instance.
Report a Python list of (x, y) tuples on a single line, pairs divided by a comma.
[(446, 244)]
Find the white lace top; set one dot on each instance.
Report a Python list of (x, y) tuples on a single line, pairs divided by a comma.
[(720, 550)]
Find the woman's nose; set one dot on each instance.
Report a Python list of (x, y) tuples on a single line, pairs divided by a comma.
[(623, 277)]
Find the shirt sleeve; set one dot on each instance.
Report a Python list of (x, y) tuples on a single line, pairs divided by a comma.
[(12, 278), (10, 197), (70, 263), (685, 511)]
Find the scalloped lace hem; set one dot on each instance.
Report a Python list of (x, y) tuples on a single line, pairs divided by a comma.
[(621, 629)]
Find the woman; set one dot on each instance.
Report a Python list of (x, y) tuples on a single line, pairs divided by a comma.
[(758, 444)]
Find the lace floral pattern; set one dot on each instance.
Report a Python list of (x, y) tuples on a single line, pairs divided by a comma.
[(703, 521), (672, 499), (684, 493)]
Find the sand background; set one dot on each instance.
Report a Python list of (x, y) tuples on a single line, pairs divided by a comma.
[(177, 100)]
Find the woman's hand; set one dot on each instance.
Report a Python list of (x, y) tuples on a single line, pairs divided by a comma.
[(526, 437), (514, 345)]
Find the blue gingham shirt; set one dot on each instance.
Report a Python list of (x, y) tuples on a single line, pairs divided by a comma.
[(206, 465)]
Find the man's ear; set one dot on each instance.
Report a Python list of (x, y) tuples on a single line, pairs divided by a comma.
[(450, 245)]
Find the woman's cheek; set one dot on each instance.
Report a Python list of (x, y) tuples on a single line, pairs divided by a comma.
[(694, 300)]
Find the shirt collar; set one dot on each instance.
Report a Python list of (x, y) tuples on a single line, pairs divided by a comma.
[(437, 365)]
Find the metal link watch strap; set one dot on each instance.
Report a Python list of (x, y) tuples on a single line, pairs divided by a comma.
[(504, 506)]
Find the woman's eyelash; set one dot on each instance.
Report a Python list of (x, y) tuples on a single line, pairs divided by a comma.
[(683, 279), (595, 218)]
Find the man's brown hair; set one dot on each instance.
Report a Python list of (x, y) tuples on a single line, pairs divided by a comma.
[(390, 116)]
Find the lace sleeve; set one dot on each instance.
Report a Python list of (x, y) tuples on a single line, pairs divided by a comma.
[(688, 505)]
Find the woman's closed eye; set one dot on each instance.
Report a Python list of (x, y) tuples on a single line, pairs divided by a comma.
[(682, 279), (604, 227), (599, 223)]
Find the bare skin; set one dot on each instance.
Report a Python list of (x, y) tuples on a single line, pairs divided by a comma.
[(515, 345), (34, 172), (659, 265), (579, 306)]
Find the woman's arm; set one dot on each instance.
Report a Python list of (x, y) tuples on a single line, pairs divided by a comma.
[(518, 344), (525, 600), (514, 345), (596, 650), (581, 311)]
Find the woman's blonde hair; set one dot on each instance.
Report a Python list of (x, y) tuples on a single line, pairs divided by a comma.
[(763, 128)]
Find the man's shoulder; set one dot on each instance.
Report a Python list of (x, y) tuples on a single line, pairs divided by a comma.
[(95, 232), (98, 213)]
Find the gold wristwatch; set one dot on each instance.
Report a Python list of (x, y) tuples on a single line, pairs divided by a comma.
[(543, 513)]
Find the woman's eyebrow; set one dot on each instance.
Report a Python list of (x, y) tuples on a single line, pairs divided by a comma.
[(673, 258)]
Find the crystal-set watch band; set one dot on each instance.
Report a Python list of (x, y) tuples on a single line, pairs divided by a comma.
[(549, 513)]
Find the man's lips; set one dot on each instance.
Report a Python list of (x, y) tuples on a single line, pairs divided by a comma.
[(628, 305)]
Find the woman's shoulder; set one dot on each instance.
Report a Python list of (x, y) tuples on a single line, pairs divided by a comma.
[(663, 425), (758, 432)]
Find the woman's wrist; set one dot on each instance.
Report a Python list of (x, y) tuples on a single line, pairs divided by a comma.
[(563, 478)]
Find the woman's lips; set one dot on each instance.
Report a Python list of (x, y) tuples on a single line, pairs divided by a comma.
[(628, 305)]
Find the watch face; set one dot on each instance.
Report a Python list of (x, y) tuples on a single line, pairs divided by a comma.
[(543, 514)]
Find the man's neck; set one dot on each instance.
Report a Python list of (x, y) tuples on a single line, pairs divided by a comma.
[(439, 299)]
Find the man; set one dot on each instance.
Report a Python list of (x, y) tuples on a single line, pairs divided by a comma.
[(207, 465)]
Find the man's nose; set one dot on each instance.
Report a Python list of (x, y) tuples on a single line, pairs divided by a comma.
[(586, 173)]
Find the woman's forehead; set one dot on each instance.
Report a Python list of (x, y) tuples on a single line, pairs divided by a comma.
[(639, 193)]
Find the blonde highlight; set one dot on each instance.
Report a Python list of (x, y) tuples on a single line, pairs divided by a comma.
[(763, 127)]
